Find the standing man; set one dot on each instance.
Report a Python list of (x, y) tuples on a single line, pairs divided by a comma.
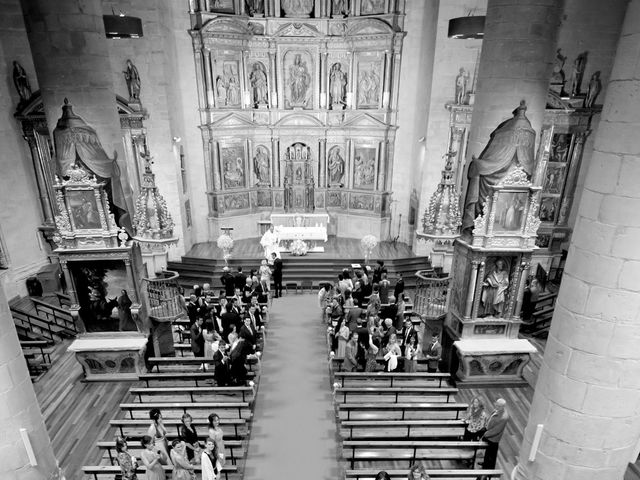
[(495, 428), (399, 288), (228, 281), (433, 354), (240, 279), (277, 274), (269, 242), (197, 341)]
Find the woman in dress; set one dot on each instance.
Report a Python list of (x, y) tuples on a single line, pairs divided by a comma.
[(152, 458), (348, 299), (158, 432), (233, 335), (343, 338), (127, 462), (182, 469), (370, 355), (265, 276), (411, 355), (475, 420), (418, 472), (209, 459), (217, 434), (392, 353), (189, 436)]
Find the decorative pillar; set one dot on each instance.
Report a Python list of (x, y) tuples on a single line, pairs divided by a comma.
[(471, 289), (478, 290), (515, 64), (200, 82), (43, 180), (273, 97), (21, 416), (322, 160), (587, 394), (522, 282), (387, 79), (572, 178), (208, 78), (323, 77), (275, 163)]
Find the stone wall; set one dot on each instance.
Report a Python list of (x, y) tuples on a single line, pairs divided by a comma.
[(20, 212)]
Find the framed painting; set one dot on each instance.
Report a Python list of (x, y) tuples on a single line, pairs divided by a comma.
[(364, 167), (232, 159), (509, 211), (84, 209), (227, 83), (369, 83)]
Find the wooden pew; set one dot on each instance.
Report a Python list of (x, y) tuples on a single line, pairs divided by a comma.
[(400, 411), (103, 471), (368, 474), (401, 429), (232, 427), (389, 379), (58, 315), (193, 393), (223, 409), (185, 361), (233, 448), (180, 378), (409, 451), (394, 394), (336, 364)]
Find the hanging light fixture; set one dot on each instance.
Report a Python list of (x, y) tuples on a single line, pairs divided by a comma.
[(122, 26), (467, 27)]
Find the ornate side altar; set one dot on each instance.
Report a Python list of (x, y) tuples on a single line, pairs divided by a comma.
[(492, 261)]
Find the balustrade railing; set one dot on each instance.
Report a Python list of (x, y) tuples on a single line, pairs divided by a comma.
[(163, 296), (431, 292)]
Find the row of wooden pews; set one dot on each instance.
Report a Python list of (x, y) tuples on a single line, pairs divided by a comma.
[(393, 420), (176, 386)]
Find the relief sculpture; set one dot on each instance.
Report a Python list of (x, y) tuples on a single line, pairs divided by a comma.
[(364, 167), (233, 166), (368, 85), (337, 87), (228, 85), (299, 81), (336, 167), (259, 89), (361, 202), (261, 167)]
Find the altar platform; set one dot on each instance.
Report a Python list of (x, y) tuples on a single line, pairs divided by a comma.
[(204, 261)]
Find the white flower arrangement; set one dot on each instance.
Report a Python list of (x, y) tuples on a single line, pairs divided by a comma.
[(299, 247), (225, 242), (369, 242)]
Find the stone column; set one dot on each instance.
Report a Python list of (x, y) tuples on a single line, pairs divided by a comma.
[(20, 410), (588, 389), (515, 64)]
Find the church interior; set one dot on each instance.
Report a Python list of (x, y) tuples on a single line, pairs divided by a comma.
[(197, 197)]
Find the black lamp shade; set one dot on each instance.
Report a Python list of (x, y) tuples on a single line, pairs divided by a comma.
[(120, 26), (466, 27)]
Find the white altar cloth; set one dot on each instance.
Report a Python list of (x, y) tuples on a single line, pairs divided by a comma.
[(494, 346), (303, 233)]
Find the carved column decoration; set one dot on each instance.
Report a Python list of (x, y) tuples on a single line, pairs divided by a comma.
[(42, 182), (478, 290), (215, 167), (246, 101), (351, 152), (471, 288), (572, 178), (524, 274), (379, 175), (323, 77), (275, 163), (351, 93), (200, 81), (273, 96), (208, 78), (322, 164), (387, 79)]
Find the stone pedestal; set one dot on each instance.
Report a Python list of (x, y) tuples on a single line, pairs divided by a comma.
[(110, 355)]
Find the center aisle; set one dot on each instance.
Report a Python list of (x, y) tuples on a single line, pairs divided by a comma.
[(294, 431)]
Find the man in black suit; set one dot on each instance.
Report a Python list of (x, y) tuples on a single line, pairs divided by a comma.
[(231, 317), (390, 310), (389, 329), (192, 309), (256, 316), (409, 335), (249, 333), (363, 342), (237, 358), (228, 281), (277, 275), (399, 288), (354, 314), (197, 340), (240, 279)]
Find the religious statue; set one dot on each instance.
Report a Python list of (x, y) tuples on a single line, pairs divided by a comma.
[(337, 86), (461, 86), (336, 166), (494, 289), (261, 166), (577, 73), (299, 80), (132, 77), (269, 242), (255, 7), (232, 84), (368, 87), (297, 8), (221, 91), (595, 85), (558, 76), (511, 145), (258, 79), (340, 8), (21, 81)]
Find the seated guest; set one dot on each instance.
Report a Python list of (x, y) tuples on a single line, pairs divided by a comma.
[(350, 362), (392, 352)]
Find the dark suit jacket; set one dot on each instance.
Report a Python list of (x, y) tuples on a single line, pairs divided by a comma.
[(387, 334), (409, 335), (228, 280), (352, 317), (248, 334), (192, 311), (399, 288), (228, 319), (434, 351), (495, 427), (257, 319), (197, 340), (277, 269), (240, 280)]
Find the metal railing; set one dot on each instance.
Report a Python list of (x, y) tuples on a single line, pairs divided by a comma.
[(431, 293), (163, 296)]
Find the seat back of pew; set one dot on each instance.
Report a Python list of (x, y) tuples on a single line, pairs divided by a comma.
[(104, 471), (183, 378), (231, 427), (369, 474), (394, 394), (401, 429), (400, 411), (202, 394), (196, 410), (390, 379)]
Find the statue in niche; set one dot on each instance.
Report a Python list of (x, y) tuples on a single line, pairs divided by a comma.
[(368, 87), (258, 79), (337, 86), (297, 8), (372, 6), (577, 73), (21, 82), (221, 91), (299, 80), (132, 77), (261, 166), (336, 166), (494, 289), (595, 85), (461, 86), (558, 77), (255, 7), (340, 8), (232, 84), (511, 145)]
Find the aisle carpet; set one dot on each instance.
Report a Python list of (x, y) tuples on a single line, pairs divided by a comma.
[(294, 430)]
